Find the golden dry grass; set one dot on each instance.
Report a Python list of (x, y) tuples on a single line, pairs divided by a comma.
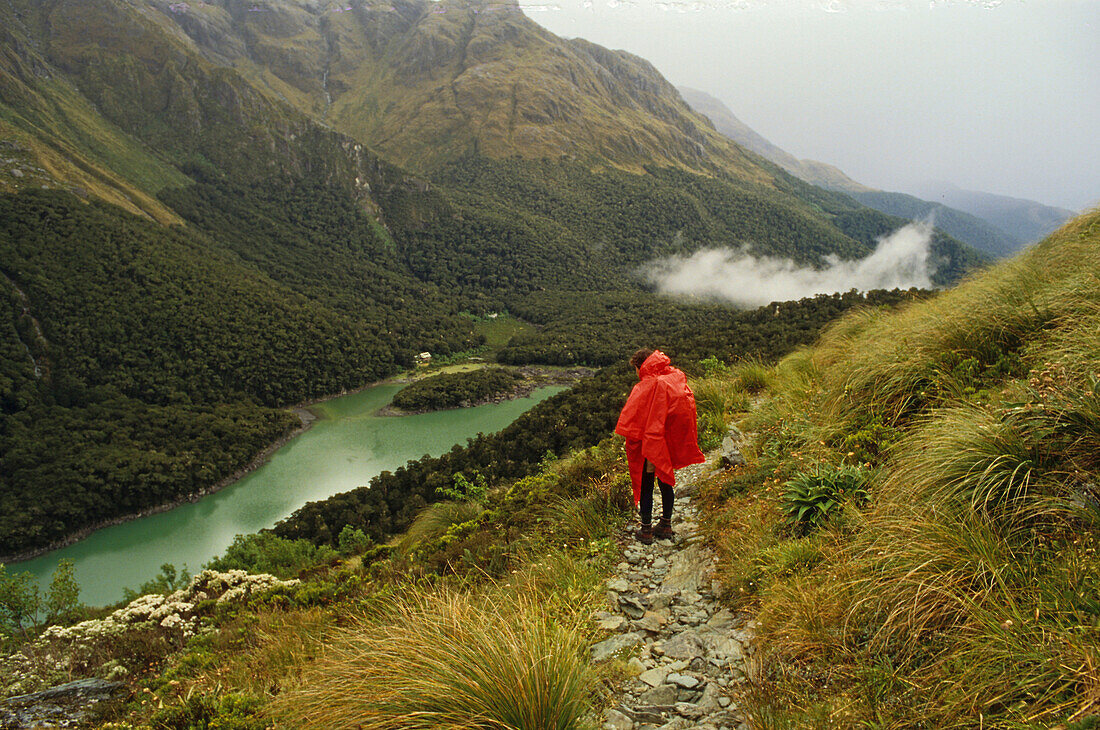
[(447, 659)]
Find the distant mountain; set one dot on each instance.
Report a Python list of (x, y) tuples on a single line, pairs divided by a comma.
[(426, 83), (486, 104), (1026, 219), (973, 229), (978, 232), (812, 171)]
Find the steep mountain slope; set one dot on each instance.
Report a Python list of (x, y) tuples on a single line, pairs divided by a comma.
[(164, 82), (113, 320), (974, 230), (53, 136), (933, 475), (425, 83)]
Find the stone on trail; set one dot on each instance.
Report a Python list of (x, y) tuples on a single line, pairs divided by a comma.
[(664, 694), (618, 721), (689, 710), (653, 677), (618, 585), (616, 646), (683, 680), (662, 598), (723, 619), (611, 622), (729, 454), (711, 701), (685, 573), (652, 622), (730, 649), (632, 606), (685, 645)]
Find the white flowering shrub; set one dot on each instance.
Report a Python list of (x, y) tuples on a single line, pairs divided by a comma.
[(146, 628)]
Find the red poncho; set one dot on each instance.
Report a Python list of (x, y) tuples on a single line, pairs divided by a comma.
[(658, 422)]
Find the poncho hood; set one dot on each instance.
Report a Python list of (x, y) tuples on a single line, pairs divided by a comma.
[(654, 365)]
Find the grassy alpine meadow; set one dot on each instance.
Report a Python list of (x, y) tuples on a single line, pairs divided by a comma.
[(918, 526)]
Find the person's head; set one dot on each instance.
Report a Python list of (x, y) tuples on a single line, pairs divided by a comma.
[(639, 357)]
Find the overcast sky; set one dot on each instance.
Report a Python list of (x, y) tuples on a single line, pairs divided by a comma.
[(995, 95)]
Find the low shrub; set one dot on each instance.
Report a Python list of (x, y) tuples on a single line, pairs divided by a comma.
[(204, 712), (813, 497), (265, 552)]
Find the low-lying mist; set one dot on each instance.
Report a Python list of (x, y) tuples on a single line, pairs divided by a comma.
[(900, 260)]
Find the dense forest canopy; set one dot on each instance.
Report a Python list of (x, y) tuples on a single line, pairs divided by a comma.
[(452, 390)]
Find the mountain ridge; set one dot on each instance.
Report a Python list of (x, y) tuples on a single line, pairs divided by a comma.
[(472, 77)]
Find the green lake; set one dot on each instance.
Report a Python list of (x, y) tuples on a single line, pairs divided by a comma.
[(345, 448)]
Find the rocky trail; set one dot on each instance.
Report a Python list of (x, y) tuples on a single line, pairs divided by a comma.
[(687, 651)]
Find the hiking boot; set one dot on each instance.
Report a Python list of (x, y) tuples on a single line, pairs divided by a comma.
[(663, 530), (645, 534)]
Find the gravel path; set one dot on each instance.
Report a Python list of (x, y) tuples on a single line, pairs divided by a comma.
[(663, 617)]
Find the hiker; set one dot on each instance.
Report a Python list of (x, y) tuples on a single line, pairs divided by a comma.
[(658, 423)]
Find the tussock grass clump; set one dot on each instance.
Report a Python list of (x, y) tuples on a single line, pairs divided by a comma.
[(752, 376), (434, 521), (447, 659)]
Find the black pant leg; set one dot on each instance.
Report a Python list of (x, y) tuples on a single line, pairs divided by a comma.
[(645, 504), (668, 499)]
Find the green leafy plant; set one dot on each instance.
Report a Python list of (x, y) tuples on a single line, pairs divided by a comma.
[(712, 366), (813, 497), (464, 490), (352, 541), (201, 711)]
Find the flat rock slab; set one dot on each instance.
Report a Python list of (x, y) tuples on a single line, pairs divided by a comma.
[(653, 677), (618, 721), (67, 705), (685, 645), (685, 572), (616, 646)]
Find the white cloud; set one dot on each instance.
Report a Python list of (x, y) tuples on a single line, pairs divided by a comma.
[(900, 260)]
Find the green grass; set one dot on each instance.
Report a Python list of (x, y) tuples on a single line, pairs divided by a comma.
[(499, 330)]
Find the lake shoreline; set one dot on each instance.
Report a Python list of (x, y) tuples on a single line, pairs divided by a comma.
[(306, 418)]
